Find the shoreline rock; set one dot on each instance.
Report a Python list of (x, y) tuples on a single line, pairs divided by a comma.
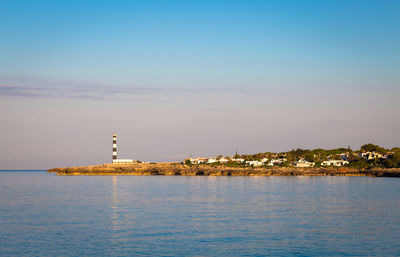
[(178, 169)]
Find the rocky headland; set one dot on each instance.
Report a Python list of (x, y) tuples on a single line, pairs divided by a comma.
[(178, 169)]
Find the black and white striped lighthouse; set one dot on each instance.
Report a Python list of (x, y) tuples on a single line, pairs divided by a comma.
[(114, 156)]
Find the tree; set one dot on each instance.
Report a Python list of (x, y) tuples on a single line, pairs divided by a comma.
[(309, 156), (395, 149), (357, 162), (373, 148), (393, 161)]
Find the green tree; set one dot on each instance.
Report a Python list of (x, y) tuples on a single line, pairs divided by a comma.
[(393, 161), (373, 148), (395, 149), (357, 162), (309, 156)]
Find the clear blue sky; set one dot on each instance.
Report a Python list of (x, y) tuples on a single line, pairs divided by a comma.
[(275, 60)]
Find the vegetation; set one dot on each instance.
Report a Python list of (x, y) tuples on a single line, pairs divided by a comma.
[(387, 158), (357, 162), (393, 161), (176, 169), (373, 148), (369, 160)]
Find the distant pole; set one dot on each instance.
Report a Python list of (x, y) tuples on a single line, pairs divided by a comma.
[(114, 154)]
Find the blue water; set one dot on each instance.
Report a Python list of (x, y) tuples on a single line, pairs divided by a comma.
[(47, 215)]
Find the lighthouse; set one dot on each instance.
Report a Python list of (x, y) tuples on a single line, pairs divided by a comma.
[(115, 160), (114, 153)]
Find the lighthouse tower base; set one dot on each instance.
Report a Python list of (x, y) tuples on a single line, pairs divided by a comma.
[(124, 161)]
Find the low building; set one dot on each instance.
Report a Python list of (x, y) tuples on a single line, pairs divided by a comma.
[(197, 160), (370, 155), (238, 160), (223, 160), (254, 163), (277, 161), (123, 161), (212, 160), (303, 164), (337, 163)]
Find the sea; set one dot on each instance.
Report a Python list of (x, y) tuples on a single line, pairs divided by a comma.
[(43, 214)]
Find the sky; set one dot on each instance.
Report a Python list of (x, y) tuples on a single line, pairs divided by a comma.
[(194, 78)]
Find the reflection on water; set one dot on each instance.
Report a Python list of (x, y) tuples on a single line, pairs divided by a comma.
[(44, 214), (114, 206)]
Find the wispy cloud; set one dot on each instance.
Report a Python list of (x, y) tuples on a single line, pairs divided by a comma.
[(33, 87), (39, 87), (72, 92)]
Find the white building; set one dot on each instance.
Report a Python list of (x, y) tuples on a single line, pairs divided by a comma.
[(254, 163), (238, 160), (304, 164), (337, 163), (370, 155), (212, 160), (123, 161), (277, 161), (223, 160), (197, 160)]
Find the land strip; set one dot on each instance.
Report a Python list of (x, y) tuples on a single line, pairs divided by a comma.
[(178, 169)]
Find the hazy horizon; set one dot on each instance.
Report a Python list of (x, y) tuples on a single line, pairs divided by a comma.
[(199, 78)]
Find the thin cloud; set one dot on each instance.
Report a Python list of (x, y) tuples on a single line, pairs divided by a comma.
[(72, 92), (36, 87), (32, 87)]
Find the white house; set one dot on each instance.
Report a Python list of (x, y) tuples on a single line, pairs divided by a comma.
[(238, 160), (254, 163), (197, 160), (337, 163), (277, 161), (304, 164), (370, 155), (223, 160), (212, 160)]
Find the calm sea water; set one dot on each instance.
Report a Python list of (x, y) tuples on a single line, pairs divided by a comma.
[(47, 215)]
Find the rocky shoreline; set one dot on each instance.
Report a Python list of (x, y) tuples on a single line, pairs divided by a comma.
[(178, 169)]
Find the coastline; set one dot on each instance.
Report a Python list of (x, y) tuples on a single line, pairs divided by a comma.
[(178, 169)]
